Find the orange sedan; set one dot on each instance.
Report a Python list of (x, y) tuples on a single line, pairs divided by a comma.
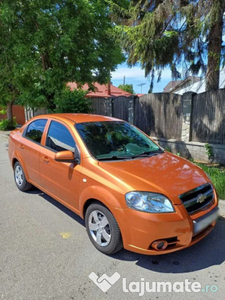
[(131, 192)]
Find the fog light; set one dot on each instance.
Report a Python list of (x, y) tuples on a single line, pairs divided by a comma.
[(159, 245)]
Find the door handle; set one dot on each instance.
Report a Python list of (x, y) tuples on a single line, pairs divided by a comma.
[(21, 146), (46, 159)]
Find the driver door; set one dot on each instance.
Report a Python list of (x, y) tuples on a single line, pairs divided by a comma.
[(60, 179)]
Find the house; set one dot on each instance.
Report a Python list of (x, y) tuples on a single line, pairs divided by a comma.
[(174, 86), (200, 86), (101, 90)]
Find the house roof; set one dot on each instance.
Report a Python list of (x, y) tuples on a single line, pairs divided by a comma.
[(171, 86), (174, 85), (101, 90), (200, 87)]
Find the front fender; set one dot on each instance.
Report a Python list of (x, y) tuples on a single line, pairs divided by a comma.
[(103, 195), (115, 203)]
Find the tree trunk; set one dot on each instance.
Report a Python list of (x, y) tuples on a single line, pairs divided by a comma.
[(9, 112), (215, 46), (51, 104)]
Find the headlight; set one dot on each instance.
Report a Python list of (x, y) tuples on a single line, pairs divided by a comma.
[(149, 202)]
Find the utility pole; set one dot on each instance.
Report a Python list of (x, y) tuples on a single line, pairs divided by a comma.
[(124, 80)]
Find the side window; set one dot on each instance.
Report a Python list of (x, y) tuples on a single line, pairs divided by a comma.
[(59, 138), (35, 130)]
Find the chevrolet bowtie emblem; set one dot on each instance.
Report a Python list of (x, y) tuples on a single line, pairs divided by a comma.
[(201, 198)]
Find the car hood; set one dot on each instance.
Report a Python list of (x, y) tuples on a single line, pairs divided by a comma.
[(163, 173)]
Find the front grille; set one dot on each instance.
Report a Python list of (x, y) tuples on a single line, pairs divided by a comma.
[(198, 198)]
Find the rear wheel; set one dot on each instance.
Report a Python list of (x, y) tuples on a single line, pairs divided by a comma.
[(20, 178), (103, 229)]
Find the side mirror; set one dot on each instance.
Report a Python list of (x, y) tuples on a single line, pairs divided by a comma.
[(67, 156)]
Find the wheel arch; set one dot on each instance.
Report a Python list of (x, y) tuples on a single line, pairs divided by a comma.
[(89, 202), (98, 194), (93, 201), (16, 158), (14, 161)]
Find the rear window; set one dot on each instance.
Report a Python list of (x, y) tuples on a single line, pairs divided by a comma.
[(35, 130)]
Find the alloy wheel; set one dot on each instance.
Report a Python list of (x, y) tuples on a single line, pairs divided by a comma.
[(19, 177), (99, 228)]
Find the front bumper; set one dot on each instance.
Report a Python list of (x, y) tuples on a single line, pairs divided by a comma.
[(139, 229)]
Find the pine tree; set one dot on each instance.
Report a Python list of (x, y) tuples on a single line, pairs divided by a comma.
[(180, 34)]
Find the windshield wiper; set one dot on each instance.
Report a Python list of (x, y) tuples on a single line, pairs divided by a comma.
[(114, 157), (148, 153)]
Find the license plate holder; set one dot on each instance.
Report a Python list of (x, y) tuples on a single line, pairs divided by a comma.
[(203, 222)]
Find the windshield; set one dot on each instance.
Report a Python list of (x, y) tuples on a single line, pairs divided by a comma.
[(115, 139)]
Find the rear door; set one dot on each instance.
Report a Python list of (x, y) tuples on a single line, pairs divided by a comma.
[(29, 147), (59, 178)]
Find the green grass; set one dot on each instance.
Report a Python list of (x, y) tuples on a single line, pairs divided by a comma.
[(217, 174)]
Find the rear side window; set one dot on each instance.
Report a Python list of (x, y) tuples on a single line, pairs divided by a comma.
[(59, 138), (35, 130)]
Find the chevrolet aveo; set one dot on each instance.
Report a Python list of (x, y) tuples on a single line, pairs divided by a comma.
[(130, 192)]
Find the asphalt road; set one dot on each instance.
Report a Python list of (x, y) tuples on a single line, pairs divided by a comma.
[(45, 253)]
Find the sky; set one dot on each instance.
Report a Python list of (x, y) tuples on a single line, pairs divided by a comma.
[(135, 76)]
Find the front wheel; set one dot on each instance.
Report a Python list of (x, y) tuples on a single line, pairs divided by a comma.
[(103, 229), (20, 178)]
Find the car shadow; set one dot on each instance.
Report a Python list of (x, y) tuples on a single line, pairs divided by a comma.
[(208, 252), (35, 191)]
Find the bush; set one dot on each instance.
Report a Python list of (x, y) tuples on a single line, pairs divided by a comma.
[(217, 174), (72, 102), (6, 124), (2, 112)]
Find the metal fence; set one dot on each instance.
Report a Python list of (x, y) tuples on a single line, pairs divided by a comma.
[(159, 115), (191, 117), (208, 117), (156, 114), (101, 106), (163, 115), (118, 107)]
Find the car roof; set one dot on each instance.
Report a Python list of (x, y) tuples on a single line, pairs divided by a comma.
[(79, 118)]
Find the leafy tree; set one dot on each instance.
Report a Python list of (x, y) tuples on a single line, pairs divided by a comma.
[(47, 43), (176, 33), (127, 87)]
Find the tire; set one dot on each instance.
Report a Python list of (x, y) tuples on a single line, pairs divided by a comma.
[(103, 229), (20, 178)]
